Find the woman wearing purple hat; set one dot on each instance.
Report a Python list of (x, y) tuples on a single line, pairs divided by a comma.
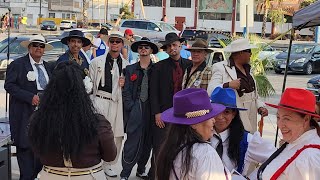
[(186, 153), (238, 149)]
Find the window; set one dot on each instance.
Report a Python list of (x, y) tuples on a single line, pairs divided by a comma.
[(151, 26), (141, 24), (52, 15), (68, 16), (215, 16), (63, 15), (157, 3), (180, 3), (58, 47), (317, 49), (129, 24)]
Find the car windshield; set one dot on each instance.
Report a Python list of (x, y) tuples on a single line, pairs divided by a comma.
[(301, 49), (15, 47), (165, 26), (65, 21), (47, 22)]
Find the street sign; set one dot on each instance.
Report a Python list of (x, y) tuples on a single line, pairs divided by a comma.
[(246, 13)]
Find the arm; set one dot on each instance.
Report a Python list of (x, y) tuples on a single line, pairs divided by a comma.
[(127, 91), (107, 146), (124, 53), (216, 79), (13, 88), (154, 90)]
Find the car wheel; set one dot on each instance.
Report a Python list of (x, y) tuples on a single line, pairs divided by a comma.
[(308, 69), (277, 71)]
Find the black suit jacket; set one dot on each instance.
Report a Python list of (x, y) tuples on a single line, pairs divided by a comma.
[(21, 92), (161, 84)]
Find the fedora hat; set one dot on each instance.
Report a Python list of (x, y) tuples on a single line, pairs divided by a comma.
[(170, 38), (226, 97), (200, 44), (76, 34), (37, 39), (298, 100), (239, 45), (191, 106), (144, 40), (116, 34)]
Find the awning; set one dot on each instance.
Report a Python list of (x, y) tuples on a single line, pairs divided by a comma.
[(307, 17)]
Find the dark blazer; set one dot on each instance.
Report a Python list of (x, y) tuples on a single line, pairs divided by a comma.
[(161, 85), (21, 92), (65, 57), (131, 96)]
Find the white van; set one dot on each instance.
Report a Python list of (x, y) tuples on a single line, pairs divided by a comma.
[(67, 24)]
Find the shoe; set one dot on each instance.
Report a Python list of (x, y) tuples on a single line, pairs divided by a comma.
[(109, 172), (142, 175), (124, 178)]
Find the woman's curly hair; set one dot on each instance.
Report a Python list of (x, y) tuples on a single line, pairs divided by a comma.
[(66, 119)]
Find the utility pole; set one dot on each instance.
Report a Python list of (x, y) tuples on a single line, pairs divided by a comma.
[(106, 2), (40, 15), (84, 13), (233, 20), (91, 11)]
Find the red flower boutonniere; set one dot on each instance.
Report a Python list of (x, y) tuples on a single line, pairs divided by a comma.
[(133, 77)]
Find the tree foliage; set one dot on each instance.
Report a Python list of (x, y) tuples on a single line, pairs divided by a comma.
[(306, 3), (127, 13), (277, 16)]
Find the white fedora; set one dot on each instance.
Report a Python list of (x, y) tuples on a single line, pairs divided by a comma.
[(38, 39), (239, 45)]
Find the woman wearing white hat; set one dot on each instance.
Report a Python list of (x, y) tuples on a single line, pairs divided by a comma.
[(235, 73)]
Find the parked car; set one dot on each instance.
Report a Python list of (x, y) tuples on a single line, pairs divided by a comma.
[(313, 85), (68, 24), (94, 32), (303, 58), (214, 40), (216, 56), (148, 28), (268, 54), (16, 51), (48, 25), (192, 34), (102, 25)]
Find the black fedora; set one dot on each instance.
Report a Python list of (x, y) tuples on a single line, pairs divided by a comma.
[(144, 40), (170, 38), (76, 34)]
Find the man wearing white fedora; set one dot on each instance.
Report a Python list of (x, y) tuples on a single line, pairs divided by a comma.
[(26, 78), (235, 73)]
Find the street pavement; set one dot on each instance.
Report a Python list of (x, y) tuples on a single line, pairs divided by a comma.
[(293, 80)]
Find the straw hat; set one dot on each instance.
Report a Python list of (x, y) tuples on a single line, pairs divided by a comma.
[(239, 45), (37, 39)]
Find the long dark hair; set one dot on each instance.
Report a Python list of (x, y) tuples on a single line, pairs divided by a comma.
[(178, 136), (236, 130), (66, 119)]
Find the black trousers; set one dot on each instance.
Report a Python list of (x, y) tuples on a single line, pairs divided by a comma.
[(29, 165), (158, 137), (137, 147)]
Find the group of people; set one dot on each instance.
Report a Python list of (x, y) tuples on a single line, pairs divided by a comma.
[(69, 119), (10, 21)]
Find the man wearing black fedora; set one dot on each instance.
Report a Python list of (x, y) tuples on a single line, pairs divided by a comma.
[(75, 41), (136, 101), (166, 81)]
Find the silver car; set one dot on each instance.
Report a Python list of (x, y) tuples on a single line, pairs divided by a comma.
[(148, 28)]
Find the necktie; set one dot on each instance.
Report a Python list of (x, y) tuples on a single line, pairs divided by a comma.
[(115, 81), (219, 148), (41, 77), (177, 80), (144, 86)]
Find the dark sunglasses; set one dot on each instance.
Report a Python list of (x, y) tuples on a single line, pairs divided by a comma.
[(38, 45), (143, 46), (247, 50), (115, 41)]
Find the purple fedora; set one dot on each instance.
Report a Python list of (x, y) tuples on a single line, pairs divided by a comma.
[(191, 106)]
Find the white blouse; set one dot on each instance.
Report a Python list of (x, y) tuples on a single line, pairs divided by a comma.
[(205, 164), (305, 167), (259, 150)]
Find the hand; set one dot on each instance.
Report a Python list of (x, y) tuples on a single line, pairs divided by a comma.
[(121, 81), (235, 84), (263, 111), (35, 100), (159, 122)]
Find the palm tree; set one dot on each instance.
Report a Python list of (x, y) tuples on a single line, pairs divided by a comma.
[(85, 4), (265, 7)]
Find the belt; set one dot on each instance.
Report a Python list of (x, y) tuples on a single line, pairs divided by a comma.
[(69, 173), (103, 97)]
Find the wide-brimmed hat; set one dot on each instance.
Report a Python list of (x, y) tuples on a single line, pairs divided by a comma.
[(200, 44), (144, 40), (116, 34), (191, 106), (239, 45), (76, 34), (170, 38), (298, 100), (226, 97), (91, 38), (37, 39)]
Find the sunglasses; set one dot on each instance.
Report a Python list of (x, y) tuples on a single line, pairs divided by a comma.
[(115, 41), (38, 45), (247, 50), (143, 46)]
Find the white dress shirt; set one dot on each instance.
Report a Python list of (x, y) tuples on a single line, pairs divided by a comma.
[(205, 164), (259, 150), (305, 167), (32, 62)]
